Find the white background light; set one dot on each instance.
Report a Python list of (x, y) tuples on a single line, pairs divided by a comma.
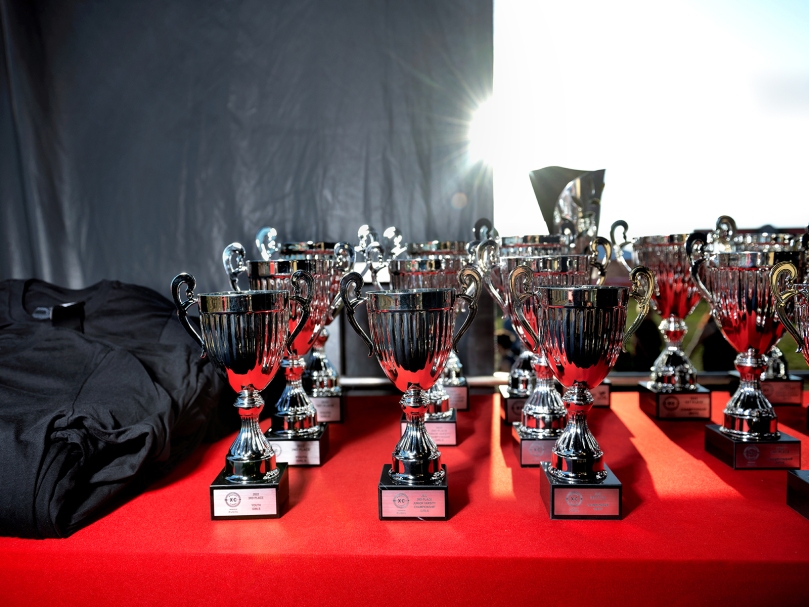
[(695, 109)]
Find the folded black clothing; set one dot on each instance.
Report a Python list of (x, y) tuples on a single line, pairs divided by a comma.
[(91, 408)]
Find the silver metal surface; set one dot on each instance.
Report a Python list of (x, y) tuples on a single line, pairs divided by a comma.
[(578, 209), (411, 335), (737, 285), (245, 334)]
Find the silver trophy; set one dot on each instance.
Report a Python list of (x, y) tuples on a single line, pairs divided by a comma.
[(297, 436), (320, 379), (543, 415), (245, 334), (580, 331), (673, 391), (738, 288), (411, 335)]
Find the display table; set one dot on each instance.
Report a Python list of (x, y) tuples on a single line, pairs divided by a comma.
[(695, 532)]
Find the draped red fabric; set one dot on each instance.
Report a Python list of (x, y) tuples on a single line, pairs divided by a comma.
[(695, 532)]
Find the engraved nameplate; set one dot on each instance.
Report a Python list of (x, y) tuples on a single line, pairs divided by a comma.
[(297, 452), (586, 502), (769, 455), (458, 397), (327, 407), (534, 452), (783, 392), (684, 405), (245, 502), (442, 433), (413, 503)]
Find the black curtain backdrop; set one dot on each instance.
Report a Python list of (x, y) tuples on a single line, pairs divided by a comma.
[(137, 139)]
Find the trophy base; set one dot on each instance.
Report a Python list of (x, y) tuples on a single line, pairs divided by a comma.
[(531, 452), (602, 393), (683, 405), (458, 395), (510, 406), (782, 392), (412, 502), (783, 453), (329, 408), (236, 501), (444, 432), (798, 491), (590, 501), (302, 451)]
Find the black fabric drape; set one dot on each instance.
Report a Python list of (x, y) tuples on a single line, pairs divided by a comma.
[(137, 139)]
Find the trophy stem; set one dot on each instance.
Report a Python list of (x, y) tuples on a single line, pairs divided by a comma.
[(416, 459), (672, 371), (543, 415), (295, 416), (522, 375), (776, 365), (438, 402), (251, 458), (320, 378), (577, 458), (749, 415)]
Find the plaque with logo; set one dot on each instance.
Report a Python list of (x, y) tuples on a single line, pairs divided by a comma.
[(683, 405), (444, 432), (302, 450), (329, 408), (798, 491), (591, 500), (234, 501), (782, 392), (412, 502), (781, 453), (458, 395), (531, 452), (510, 407)]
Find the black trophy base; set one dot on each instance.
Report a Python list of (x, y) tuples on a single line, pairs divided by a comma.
[(781, 392), (510, 407), (412, 502), (798, 491), (531, 452), (685, 405), (602, 393), (444, 432), (781, 454), (590, 501), (458, 395), (330, 409), (302, 451), (235, 501)]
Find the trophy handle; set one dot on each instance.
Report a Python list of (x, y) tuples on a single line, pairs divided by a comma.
[(725, 227), (236, 250), (695, 249), (470, 281), (298, 278), (600, 264), (265, 241), (620, 246), (519, 282), (183, 304), (484, 230), (641, 294), (374, 254), (487, 255), (344, 259), (355, 279), (783, 297)]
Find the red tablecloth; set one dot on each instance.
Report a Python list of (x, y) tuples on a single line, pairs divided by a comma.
[(694, 531)]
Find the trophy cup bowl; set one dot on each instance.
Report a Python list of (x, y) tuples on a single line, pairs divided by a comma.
[(580, 330), (295, 432), (743, 303), (543, 415), (411, 335), (245, 334)]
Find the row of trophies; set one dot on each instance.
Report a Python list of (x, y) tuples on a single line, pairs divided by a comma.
[(573, 327)]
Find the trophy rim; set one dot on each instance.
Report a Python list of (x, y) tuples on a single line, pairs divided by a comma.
[(440, 247), (584, 296), (239, 302), (548, 263), (261, 268), (424, 264), (661, 240), (740, 260), (308, 247), (413, 300), (529, 240)]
